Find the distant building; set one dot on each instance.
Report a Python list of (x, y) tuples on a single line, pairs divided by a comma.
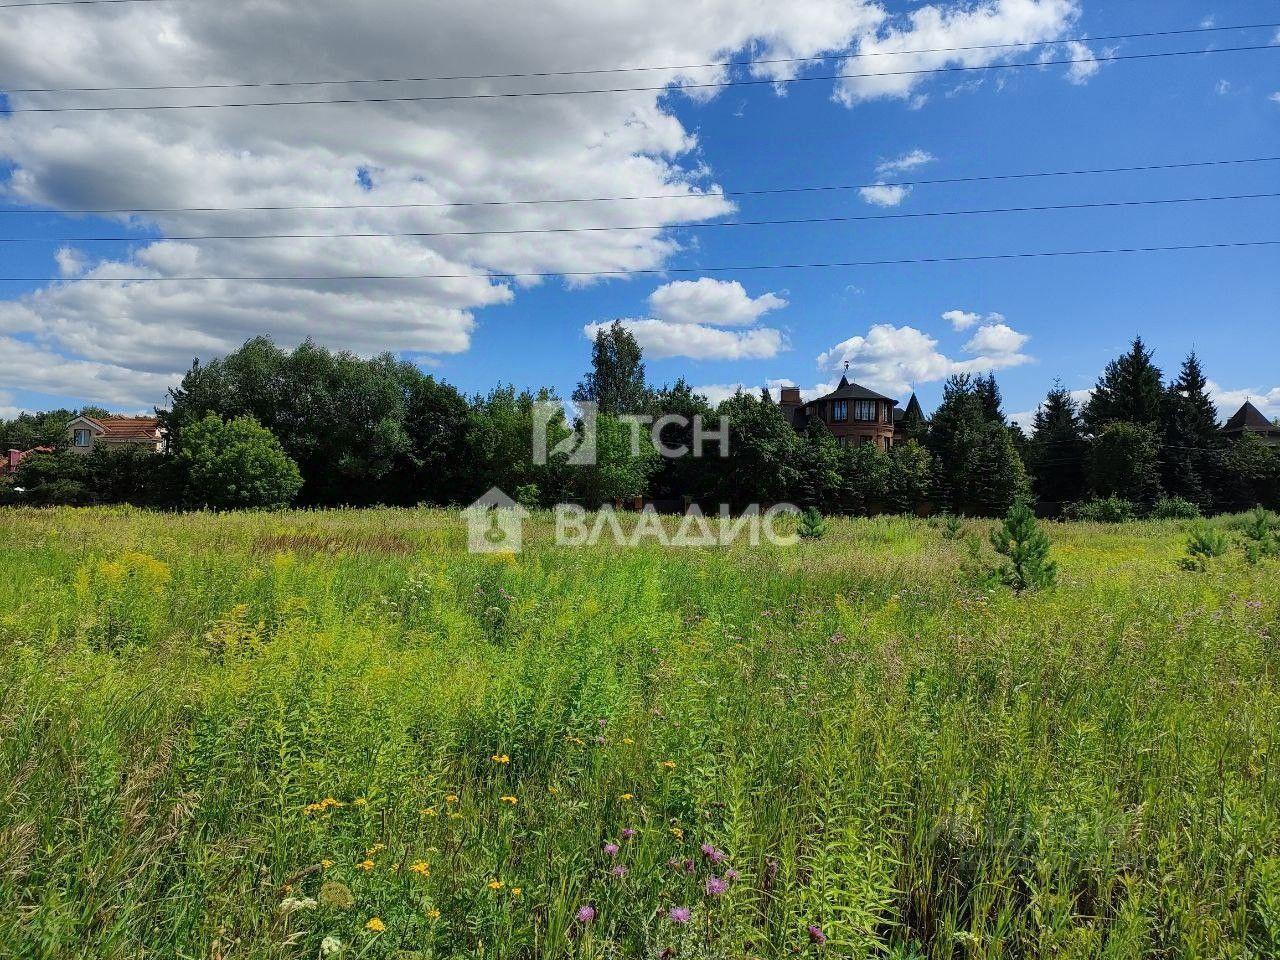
[(853, 413), (1249, 419), (114, 433), (9, 465)]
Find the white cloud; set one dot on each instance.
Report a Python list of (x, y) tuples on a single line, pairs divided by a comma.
[(892, 358), (908, 161), (716, 393), (1085, 65), (1223, 88), (708, 301), (1229, 401), (662, 339), (1026, 418), (964, 319), (1275, 97), (884, 194), (424, 153), (996, 340), (28, 366), (932, 27)]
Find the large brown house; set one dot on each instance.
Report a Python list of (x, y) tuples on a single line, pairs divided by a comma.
[(115, 433), (852, 412)]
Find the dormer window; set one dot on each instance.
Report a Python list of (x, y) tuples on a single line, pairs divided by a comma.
[(81, 437)]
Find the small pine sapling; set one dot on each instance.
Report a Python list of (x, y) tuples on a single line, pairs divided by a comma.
[(1262, 535), (1025, 548), (1204, 544), (812, 525)]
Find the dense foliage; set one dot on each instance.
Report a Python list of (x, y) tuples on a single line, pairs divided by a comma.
[(237, 735), (380, 431)]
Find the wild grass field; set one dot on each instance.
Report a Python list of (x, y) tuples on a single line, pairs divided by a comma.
[(339, 734)]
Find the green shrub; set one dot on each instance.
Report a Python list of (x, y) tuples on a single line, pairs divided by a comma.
[(1204, 544), (1026, 547), (1102, 510), (1262, 535), (812, 525), (1174, 508), (236, 464)]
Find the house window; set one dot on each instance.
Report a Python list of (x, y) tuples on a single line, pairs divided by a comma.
[(839, 411), (82, 438), (888, 413), (864, 410), (864, 439)]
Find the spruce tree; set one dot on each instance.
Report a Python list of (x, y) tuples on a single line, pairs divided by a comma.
[(1025, 548), (1131, 389), (1192, 447), (1058, 450)]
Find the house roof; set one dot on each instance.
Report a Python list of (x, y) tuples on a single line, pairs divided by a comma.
[(124, 428), (1249, 417), (854, 391)]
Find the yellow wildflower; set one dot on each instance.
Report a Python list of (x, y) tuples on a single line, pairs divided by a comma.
[(375, 925), (626, 796), (455, 816), (511, 800), (501, 758), (326, 864), (428, 811), (375, 849), (420, 867), (496, 884), (515, 891), (553, 789), (361, 802), (433, 914), (669, 764), (677, 833), (365, 865), (451, 798), (627, 740)]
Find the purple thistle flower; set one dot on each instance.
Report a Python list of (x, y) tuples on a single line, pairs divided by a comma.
[(690, 866), (675, 864), (816, 935), (679, 914), (628, 833), (731, 874), (586, 913), (711, 853), (619, 871), (716, 886), (611, 849)]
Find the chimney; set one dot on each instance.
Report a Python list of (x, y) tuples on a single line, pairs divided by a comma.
[(790, 397)]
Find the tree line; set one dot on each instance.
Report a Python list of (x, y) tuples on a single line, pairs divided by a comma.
[(264, 426)]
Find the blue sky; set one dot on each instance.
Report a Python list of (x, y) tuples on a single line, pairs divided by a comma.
[(1061, 317)]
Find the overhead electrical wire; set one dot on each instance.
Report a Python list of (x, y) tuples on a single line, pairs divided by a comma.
[(552, 274), (751, 81), (852, 218), (811, 188), (721, 65)]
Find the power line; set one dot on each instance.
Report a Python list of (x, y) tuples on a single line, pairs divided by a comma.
[(723, 64), (551, 274), (814, 188), (68, 3), (853, 218), (753, 81)]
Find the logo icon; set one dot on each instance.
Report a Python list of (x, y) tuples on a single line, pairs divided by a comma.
[(495, 524), (579, 448)]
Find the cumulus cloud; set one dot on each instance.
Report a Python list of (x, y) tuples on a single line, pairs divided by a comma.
[(709, 301), (1229, 401), (716, 393), (28, 366), (964, 319), (1026, 418), (933, 27), (892, 358), (662, 339), (385, 153), (1275, 97), (884, 194)]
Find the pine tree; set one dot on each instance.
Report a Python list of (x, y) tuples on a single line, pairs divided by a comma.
[(812, 525), (1026, 548), (1058, 450), (1131, 389), (979, 470), (1191, 453)]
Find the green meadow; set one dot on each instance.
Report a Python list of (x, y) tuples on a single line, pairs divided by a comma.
[(297, 735)]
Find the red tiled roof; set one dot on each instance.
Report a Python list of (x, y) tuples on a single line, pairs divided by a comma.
[(128, 428)]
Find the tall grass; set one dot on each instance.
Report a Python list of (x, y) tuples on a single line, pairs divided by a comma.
[(237, 736)]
